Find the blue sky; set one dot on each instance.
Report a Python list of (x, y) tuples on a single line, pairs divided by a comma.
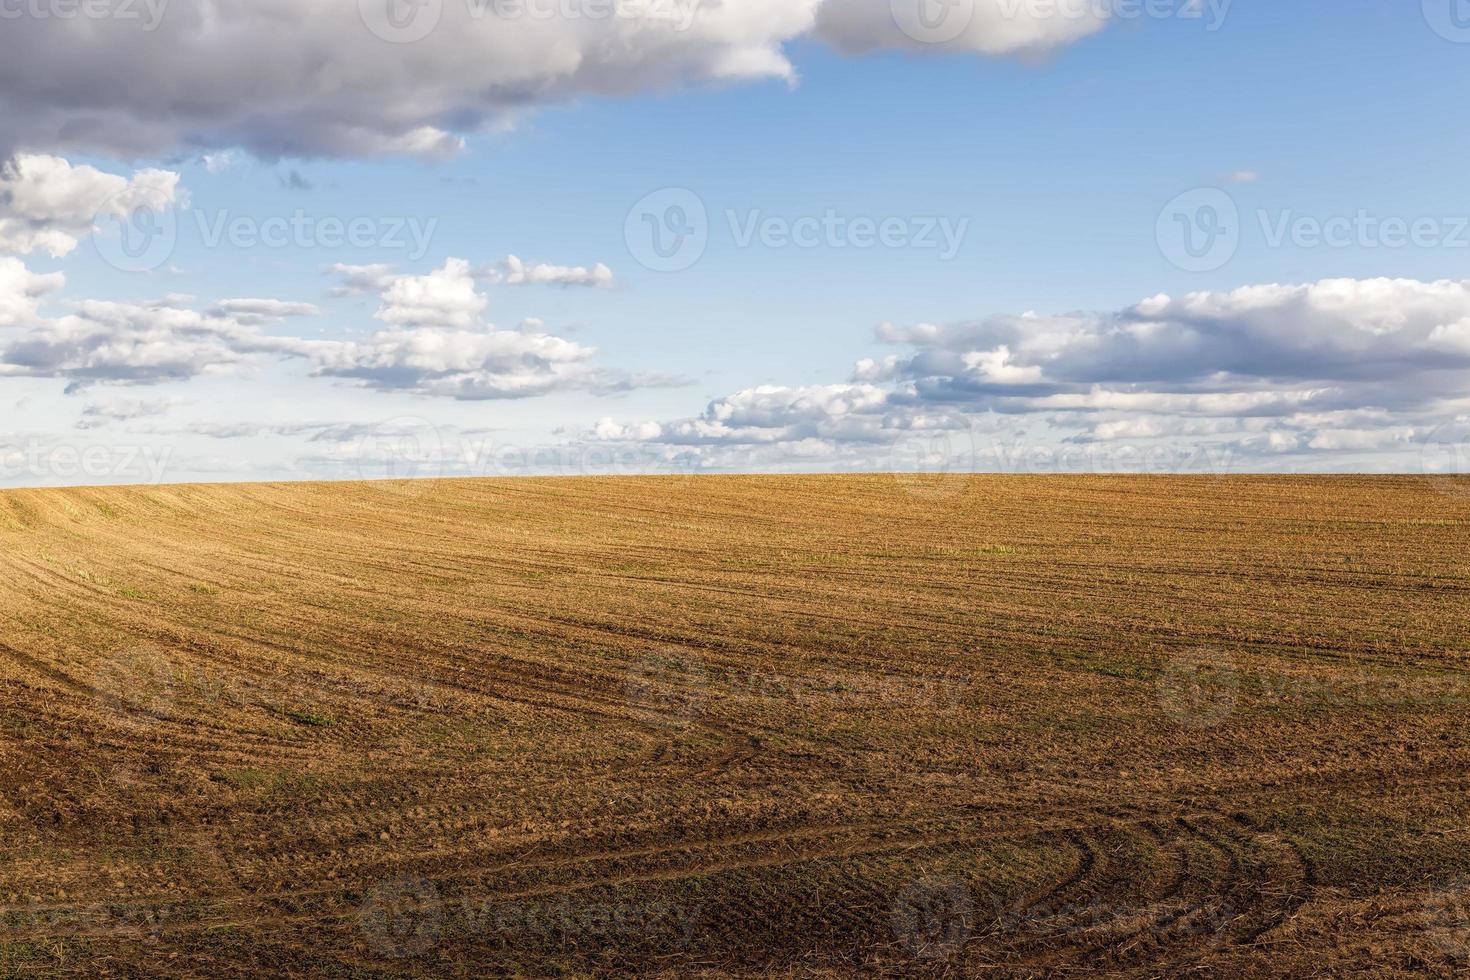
[(1048, 165)]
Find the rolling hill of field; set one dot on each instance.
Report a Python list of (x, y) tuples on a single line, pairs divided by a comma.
[(776, 725)]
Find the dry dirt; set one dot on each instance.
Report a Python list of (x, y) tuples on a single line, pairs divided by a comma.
[(795, 726)]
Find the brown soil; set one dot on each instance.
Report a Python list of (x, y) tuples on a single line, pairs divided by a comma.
[(795, 726)]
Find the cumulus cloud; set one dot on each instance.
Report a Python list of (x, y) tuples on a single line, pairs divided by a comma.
[(137, 344), (512, 271), (445, 297), (312, 77), (437, 344), (21, 291), (258, 311), (1252, 342), (1337, 366), (611, 431), (218, 163), (357, 279), (47, 204), (98, 414), (302, 78), (457, 363), (772, 413)]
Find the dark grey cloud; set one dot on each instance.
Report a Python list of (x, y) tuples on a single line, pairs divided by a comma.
[(339, 78), (293, 181)]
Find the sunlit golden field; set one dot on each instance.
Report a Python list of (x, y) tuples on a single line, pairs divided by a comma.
[(767, 725)]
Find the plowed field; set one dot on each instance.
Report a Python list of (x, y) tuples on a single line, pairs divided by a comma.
[(792, 726)]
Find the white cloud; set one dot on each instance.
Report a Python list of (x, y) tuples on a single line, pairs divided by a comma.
[(1135, 428), (102, 413), (988, 27), (610, 431), (445, 297), (1363, 439), (361, 278), (218, 163), (438, 345), (47, 204), (771, 414), (125, 343), (457, 363), (435, 344), (21, 291), (1337, 366), (257, 311), (996, 367), (512, 271)]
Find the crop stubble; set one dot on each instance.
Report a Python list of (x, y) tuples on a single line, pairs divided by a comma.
[(793, 725)]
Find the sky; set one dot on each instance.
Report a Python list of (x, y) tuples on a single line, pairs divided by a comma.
[(389, 238)]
